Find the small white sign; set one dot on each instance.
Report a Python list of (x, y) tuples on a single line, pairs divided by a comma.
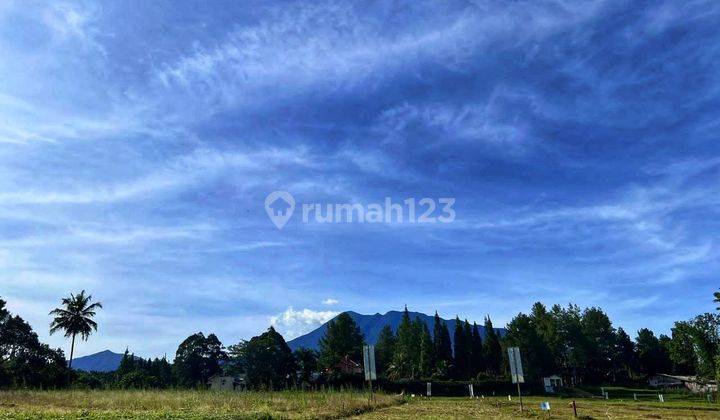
[(369, 363), (545, 405), (471, 391), (516, 370), (429, 389)]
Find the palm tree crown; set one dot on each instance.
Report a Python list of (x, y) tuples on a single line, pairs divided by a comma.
[(75, 318)]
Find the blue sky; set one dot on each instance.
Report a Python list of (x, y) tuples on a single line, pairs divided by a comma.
[(138, 141)]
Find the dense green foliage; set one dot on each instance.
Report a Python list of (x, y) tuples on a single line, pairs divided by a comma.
[(342, 338), (24, 360), (267, 361), (197, 359), (581, 345)]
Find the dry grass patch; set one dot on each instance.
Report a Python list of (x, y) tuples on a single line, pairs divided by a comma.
[(188, 404)]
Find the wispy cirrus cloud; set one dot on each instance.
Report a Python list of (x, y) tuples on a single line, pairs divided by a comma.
[(577, 139)]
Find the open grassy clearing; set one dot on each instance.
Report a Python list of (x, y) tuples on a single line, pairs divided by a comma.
[(187, 404), (499, 407), (306, 405)]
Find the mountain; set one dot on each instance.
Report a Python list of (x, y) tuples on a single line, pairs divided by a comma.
[(370, 325), (105, 361)]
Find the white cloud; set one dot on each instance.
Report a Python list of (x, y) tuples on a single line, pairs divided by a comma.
[(292, 323), (330, 301)]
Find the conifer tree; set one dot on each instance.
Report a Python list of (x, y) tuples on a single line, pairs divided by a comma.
[(441, 340), (407, 348), (476, 351), (469, 363), (492, 348), (427, 353), (460, 350), (402, 359), (342, 338), (385, 349)]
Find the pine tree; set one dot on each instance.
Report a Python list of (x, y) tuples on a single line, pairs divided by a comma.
[(407, 348), (427, 353), (460, 350), (469, 363), (492, 348), (385, 349), (127, 364), (441, 341), (342, 338), (476, 351), (418, 327)]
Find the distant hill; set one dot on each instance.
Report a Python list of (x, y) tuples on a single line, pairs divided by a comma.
[(105, 361), (370, 325)]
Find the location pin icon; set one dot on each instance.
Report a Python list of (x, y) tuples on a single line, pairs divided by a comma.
[(279, 206)]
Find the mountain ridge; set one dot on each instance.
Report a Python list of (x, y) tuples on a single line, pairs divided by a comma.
[(103, 361), (371, 325)]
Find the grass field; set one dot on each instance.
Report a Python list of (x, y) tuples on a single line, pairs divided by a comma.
[(187, 404), (500, 408), (306, 405)]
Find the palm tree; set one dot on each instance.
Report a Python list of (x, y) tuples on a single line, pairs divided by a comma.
[(75, 317)]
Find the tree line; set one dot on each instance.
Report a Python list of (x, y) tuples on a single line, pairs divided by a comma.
[(581, 345)]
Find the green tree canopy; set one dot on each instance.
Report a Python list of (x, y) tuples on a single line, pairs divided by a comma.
[(198, 358), (307, 363), (443, 347), (24, 360), (492, 348), (384, 349), (652, 357), (267, 360), (342, 338)]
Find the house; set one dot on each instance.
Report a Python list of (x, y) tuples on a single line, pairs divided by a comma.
[(691, 383), (348, 366), (227, 383), (552, 383)]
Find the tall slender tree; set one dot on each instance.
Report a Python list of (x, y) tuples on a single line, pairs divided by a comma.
[(460, 347), (477, 359), (492, 348), (384, 349), (443, 346), (404, 360), (427, 353), (625, 358), (342, 338), (75, 317)]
